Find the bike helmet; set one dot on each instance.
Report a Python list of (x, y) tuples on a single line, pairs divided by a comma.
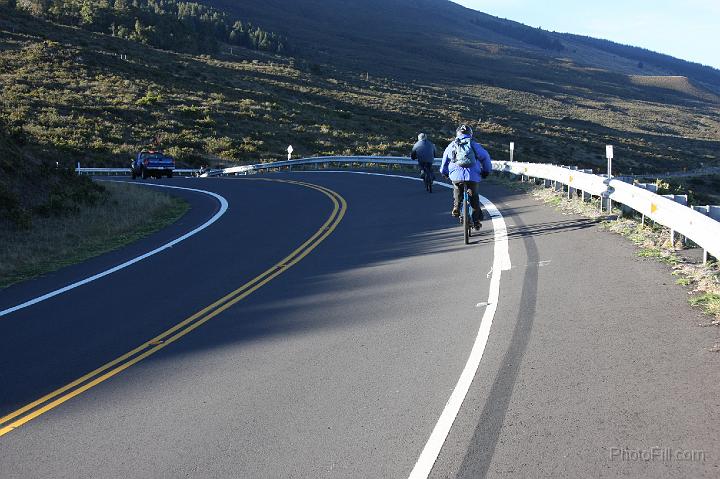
[(464, 130), (422, 136)]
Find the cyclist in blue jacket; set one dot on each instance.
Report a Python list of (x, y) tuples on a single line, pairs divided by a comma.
[(466, 163), (424, 152)]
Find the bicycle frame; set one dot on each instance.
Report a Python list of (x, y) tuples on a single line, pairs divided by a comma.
[(466, 215)]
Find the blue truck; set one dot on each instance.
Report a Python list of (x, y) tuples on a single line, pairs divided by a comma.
[(149, 163)]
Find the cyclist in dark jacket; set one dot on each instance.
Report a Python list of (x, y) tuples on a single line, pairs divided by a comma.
[(424, 152), (466, 177)]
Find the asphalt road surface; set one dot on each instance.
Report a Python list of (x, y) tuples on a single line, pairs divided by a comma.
[(319, 331)]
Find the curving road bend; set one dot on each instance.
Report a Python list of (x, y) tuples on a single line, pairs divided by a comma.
[(341, 364)]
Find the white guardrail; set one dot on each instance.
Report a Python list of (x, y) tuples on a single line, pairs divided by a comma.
[(126, 171), (694, 225)]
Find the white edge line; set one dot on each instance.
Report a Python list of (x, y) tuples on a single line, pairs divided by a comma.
[(223, 209), (501, 262)]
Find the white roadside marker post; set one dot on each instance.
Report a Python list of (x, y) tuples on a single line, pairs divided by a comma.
[(512, 152), (609, 154)]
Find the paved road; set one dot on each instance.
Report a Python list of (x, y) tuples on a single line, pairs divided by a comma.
[(341, 365)]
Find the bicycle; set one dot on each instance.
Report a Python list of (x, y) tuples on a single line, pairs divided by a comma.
[(466, 215), (427, 175)]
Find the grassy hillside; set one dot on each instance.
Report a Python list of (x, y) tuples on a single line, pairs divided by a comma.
[(170, 24), (32, 186), (364, 80), (75, 98)]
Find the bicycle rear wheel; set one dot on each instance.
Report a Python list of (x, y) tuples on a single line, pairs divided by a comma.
[(466, 218), (427, 179)]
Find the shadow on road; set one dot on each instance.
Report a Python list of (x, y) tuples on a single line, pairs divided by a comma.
[(389, 222)]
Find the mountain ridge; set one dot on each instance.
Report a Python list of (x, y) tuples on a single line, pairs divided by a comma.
[(436, 23)]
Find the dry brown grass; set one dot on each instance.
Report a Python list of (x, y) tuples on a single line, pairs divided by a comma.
[(55, 242), (676, 83)]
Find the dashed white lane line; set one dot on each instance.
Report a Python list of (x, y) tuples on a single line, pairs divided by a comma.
[(501, 262), (216, 216)]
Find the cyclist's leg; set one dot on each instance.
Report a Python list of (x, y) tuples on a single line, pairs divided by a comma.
[(429, 171), (458, 189), (475, 200)]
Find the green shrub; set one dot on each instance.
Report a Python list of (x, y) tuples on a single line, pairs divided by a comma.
[(11, 212), (710, 302), (149, 98)]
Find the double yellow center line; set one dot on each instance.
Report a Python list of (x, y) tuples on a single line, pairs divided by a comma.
[(50, 401)]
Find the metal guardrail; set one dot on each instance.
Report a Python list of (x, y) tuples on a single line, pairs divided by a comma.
[(126, 171), (372, 160), (703, 230)]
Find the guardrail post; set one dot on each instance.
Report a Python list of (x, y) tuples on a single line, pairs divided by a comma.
[(706, 211), (626, 210), (571, 190), (681, 199), (650, 187)]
